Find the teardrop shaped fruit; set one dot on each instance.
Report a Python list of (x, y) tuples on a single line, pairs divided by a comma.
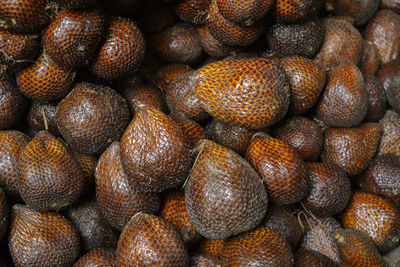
[(283, 170), (310, 258), (362, 12), (376, 98), (42, 114), (224, 195), (252, 93), (193, 11), (289, 11), (41, 238), (149, 240), (154, 151), (12, 103), (96, 258), (91, 117), (118, 200), (4, 214), (370, 59), (376, 216), (390, 142)]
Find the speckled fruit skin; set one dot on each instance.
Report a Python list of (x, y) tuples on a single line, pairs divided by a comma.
[(376, 98), (390, 142), (166, 74), (289, 11), (193, 131), (211, 45), (389, 75), (193, 11), (96, 258)]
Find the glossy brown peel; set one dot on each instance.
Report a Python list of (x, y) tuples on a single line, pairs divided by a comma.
[(12, 103), (310, 258), (36, 118), (376, 98), (193, 11), (244, 12), (97, 258), (390, 124)]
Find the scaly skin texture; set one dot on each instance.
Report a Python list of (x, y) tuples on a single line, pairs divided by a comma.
[(97, 257), (244, 11), (193, 11)]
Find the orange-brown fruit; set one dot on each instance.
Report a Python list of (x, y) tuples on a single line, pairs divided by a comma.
[(384, 32), (259, 247), (390, 4), (376, 216), (118, 200), (4, 214), (211, 45), (229, 33), (191, 129), (148, 240), (383, 177), (361, 11), (168, 73), (72, 37), (193, 11), (203, 260), (154, 151), (284, 172), (370, 59), (181, 98), (306, 79), (244, 12), (311, 258), (23, 15), (302, 39), (76, 4), (93, 229), (91, 117), (212, 247), (174, 211), (389, 75), (344, 101), (122, 50), (49, 177), (330, 190), (41, 238), (11, 145), (376, 98), (179, 43), (305, 135), (289, 11), (44, 80), (97, 258), (12, 103), (42, 114), (342, 43), (357, 249), (347, 19), (351, 149), (252, 93), (88, 165), (224, 195), (390, 142)]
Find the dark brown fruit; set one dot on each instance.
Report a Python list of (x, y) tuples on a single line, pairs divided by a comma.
[(191, 129), (149, 240), (310, 258), (305, 135), (376, 216), (118, 200), (193, 11), (91, 117), (343, 43), (244, 12), (167, 74), (72, 4), (44, 80), (344, 102), (122, 51), (224, 195), (347, 19), (370, 59), (229, 33), (179, 43), (42, 114), (88, 165), (210, 45), (289, 11), (49, 177), (93, 229), (390, 4), (306, 79), (154, 151), (302, 39), (23, 15), (252, 93), (72, 37), (12, 103), (41, 238), (283, 170), (11, 145), (4, 214), (376, 98), (203, 260), (361, 11), (97, 258), (330, 190), (389, 75), (384, 32), (390, 142), (383, 177), (212, 247), (351, 149), (259, 247), (357, 249)]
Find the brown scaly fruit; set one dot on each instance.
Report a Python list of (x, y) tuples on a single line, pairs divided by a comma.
[(149, 240), (193, 11), (12, 103), (88, 165), (376, 98), (390, 124), (390, 4), (389, 75), (362, 11), (167, 74), (212, 247), (42, 114), (289, 11), (370, 59), (224, 195), (4, 214), (76, 4), (203, 260), (310, 258), (96, 258), (210, 45), (193, 131)]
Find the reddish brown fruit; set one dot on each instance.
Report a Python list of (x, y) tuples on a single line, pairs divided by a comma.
[(42, 114), (244, 12), (347, 19), (149, 240), (376, 216), (49, 177), (390, 4), (75, 4), (11, 145), (289, 11), (168, 73), (370, 59), (210, 45), (362, 11), (4, 214), (97, 258), (390, 142), (376, 98), (122, 51), (118, 200), (344, 102), (88, 165), (310, 258), (259, 247), (154, 151), (193, 131), (384, 32), (224, 195), (261, 102), (44, 80), (84, 121), (203, 260), (193, 11), (12, 103), (212, 247), (41, 238), (389, 75), (351, 149), (342, 43), (72, 37), (306, 79), (283, 170)]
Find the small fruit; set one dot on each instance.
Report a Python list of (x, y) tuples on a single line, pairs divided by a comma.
[(42, 115), (97, 257), (370, 59), (376, 98)]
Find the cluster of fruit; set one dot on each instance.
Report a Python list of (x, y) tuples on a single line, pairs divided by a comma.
[(199, 132)]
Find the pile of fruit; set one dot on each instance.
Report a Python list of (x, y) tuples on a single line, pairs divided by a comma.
[(199, 133)]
